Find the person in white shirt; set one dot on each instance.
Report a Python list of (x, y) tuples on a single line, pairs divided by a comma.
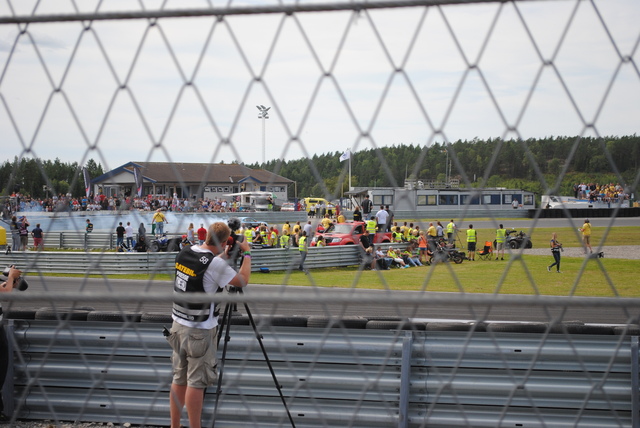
[(200, 269)]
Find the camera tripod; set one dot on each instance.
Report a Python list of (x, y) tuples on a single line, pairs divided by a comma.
[(225, 325)]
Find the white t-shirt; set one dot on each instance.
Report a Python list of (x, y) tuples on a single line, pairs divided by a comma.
[(308, 228), (381, 216), (218, 275), (129, 231)]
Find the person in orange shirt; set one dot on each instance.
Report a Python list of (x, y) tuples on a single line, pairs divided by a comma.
[(422, 247)]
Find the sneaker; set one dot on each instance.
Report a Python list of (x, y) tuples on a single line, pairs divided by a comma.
[(548, 268), (559, 271)]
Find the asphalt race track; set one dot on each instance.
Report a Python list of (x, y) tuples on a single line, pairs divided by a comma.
[(309, 306)]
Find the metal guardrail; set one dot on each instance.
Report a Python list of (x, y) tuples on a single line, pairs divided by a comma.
[(127, 263), (120, 372)]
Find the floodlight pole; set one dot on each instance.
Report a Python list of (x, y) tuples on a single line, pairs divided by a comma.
[(263, 115), (446, 168)]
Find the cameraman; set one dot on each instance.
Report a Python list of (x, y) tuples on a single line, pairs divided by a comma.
[(5, 287), (193, 335)]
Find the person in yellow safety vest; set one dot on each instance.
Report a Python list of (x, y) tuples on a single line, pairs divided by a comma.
[(284, 239), (404, 229), (264, 234), (472, 238), (412, 236), (431, 237), (273, 238), (501, 237), (286, 227), (341, 218), (397, 236), (451, 231), (371, 227), (391, 253), (248, 234), (302, 246), (321, 242)]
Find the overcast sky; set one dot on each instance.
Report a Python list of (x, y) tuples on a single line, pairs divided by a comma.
[(334, 80)]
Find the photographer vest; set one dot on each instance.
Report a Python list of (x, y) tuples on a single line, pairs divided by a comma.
[(190, 270)]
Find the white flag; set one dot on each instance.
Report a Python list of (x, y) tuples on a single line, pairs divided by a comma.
[(346, 155)]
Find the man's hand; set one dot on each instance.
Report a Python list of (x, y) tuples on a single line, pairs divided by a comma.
[(14, 273), (244, 245), (13, 276)]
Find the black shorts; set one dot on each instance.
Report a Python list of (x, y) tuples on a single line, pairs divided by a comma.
[(471, 246)]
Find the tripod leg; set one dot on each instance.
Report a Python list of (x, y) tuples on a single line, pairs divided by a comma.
[(226, 326), (266, 358)]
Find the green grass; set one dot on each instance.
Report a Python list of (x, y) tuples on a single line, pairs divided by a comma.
[(601, 277), (540, 236), (528, 276)]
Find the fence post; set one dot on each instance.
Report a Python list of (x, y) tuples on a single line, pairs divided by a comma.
[(635, 384), (8, 386), (405, 380)]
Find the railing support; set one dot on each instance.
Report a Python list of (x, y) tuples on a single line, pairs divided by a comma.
[(635, 384), (405, 380)]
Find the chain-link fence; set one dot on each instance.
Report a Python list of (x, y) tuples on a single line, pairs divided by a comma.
[(175, 82)]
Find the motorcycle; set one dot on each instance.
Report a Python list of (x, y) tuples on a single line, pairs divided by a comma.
[(446, 252), (516, 240)]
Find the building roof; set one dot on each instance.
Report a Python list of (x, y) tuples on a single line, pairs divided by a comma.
[(169, 172)]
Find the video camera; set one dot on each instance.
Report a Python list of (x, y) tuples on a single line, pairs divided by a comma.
[(21, 283), (232, 243)]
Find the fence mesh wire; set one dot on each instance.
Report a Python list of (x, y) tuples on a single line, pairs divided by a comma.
[(112, 80)]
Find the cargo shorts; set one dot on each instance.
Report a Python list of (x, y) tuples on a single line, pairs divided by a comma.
[(194, 360)]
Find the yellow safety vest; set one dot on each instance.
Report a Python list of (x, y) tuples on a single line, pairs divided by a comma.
[(371, 226), (301, 242), (471, 235), (284, 241), (248, 235), (501, 235), (450, 227)]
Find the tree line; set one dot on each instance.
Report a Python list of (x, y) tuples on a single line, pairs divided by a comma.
[(476, 163), (44, 178)]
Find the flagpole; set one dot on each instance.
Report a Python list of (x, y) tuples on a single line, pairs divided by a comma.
[(349, 171)]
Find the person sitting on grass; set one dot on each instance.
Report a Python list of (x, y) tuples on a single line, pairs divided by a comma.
[(381, 259), (395, 257), (410, 256)]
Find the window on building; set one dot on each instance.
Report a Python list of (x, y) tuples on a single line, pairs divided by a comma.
[(528, 200), (508, 199), (382, 200), (448, 200), (469, 200), (491, 199), (427, 200)]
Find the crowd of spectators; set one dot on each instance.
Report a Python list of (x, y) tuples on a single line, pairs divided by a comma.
[(25, 203), (607, 193)]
